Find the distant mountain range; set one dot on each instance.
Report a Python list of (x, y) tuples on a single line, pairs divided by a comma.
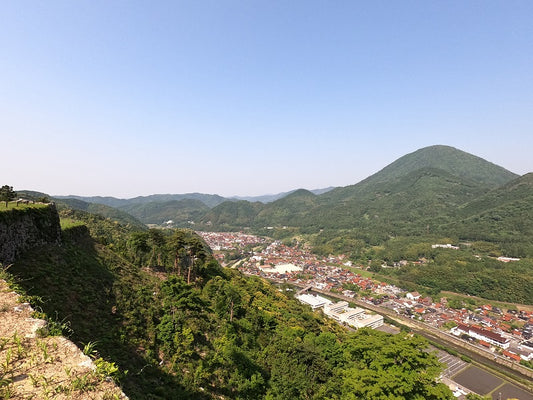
[(438, 189), (268, 198), (418, 192), (160, 208)]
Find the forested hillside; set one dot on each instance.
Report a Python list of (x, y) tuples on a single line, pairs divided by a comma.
[(158, 305)]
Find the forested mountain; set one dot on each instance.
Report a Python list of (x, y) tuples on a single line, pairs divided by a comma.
[(158, 305), (160, 208), (268, 198), (159, 212), (210, 200), (436, 190), (93, 208), (419, 192), (232, 215), (449, 159), (102, 210), (503, 214)]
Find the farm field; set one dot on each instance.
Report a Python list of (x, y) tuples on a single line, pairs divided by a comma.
[(485, 383)]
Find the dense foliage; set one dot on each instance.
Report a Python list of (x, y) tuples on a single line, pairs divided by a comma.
[(463, 273), (180, 212), (158, 305)]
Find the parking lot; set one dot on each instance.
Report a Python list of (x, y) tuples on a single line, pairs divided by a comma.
[(454, 364)]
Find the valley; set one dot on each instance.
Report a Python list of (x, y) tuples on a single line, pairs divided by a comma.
[(175, 289)]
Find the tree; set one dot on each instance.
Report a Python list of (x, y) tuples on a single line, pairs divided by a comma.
[(139, 243), (156, 240), (383, 367), (7, 194)]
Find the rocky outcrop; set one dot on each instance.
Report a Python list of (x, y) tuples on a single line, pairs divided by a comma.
[(37, 366), (26, 228)]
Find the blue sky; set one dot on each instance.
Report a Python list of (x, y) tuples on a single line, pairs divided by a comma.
[(128, 98)]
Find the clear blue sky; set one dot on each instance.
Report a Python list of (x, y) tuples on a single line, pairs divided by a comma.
[(127, 98)]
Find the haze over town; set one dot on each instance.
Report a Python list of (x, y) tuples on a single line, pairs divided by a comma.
[(248, 98)]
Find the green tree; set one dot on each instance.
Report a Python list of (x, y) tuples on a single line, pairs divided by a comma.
[(156, 240), (7, 194), (384, 367), (139, 243)]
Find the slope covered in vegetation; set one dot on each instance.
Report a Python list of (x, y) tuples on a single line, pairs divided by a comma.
[(159, 306)]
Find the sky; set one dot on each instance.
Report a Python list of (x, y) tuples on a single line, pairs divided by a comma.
[(130, 98)]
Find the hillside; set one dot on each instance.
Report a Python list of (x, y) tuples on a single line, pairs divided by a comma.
[(102, 210), (449, 159), (159, 212), (503, 214), (158, 305), (419, 192), (269, 198), (232, 215), (210, 200), (56, 366)]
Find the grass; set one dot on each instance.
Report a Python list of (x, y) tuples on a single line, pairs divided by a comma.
[(67, 223), (14, 206), (478, 301)]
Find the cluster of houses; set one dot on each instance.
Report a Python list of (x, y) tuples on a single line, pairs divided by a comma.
[(229, 240), (488, 325), (342, 312)]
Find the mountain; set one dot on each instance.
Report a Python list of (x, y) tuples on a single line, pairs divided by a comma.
[(289, 210), (419, 193), (210, 200), (100, 209), (426, 191), (182, 209), (501, 214), (445, 158), (449, 159), (404, 204), (66, 203), (158, 212), (232, 215), (268, 198)]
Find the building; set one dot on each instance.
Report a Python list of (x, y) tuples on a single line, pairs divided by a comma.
[(315, 301), (481, 334), (444, 246), (508, 259), (413, 295), (355, 317)]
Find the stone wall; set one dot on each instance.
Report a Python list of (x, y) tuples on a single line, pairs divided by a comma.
[(26, 228)]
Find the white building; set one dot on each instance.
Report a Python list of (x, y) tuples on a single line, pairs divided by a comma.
[(444, 246), (315, 301), (482, 334), (413, 295), (356, 317)]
